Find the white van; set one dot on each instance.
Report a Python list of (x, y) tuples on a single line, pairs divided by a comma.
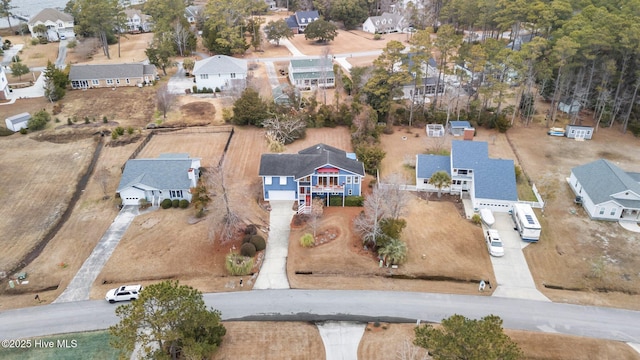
[(526, 222)]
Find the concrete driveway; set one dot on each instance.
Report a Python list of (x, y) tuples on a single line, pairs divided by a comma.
[(79, 287), (273, 273), (512, 272), (179, 82), (341, 339)]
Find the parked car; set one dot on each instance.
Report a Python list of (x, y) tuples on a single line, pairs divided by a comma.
[(63, 37), (494, 243), (123, 293)]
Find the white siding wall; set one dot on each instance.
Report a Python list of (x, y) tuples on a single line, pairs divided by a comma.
[(213, 81)]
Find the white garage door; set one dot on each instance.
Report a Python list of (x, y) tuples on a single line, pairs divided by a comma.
[(282, 195)]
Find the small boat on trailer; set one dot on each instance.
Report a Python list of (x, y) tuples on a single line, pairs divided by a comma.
[(487, 217)]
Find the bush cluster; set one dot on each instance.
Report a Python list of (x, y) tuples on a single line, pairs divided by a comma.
[(248, 249), (348, 201), (204, 90), (166, 203), (307, 240), (237, 264)]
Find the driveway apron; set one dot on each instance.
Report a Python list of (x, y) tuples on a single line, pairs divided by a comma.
[(341, 339), (79, 287), (273, 273)]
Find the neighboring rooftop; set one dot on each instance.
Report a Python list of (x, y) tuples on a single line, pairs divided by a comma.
[(601, 179), (50, 14), (220, 64), (110, 71), (165, 172)]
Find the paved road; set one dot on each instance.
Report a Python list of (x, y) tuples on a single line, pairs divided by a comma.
[(335, 305)]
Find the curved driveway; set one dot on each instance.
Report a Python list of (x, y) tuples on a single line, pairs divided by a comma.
[(326, 305)]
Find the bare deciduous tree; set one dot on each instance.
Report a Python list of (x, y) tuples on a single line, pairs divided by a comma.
[(408, 351), (397, 198), (230, 223), (285, 129), (368, 223), (165, 100), (317, 209), (181, 37)]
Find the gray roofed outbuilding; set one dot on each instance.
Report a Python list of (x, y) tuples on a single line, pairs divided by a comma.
[(306, 161)]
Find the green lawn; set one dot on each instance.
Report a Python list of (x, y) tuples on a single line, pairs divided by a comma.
[(525, 193), (89, 345)]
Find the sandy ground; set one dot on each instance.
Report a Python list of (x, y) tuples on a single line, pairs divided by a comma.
[(34, 55)]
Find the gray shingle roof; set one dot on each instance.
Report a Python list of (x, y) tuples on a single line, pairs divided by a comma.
[(311, 62), (459, 124), (601, 178), (468, 154), (160, 173), (302, 17), (306, 161), (110, 71), (51, 15), (220, 64)]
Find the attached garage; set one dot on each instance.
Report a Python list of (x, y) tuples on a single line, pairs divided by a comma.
[(281, 195)]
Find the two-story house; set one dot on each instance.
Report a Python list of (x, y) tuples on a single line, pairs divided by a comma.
[(318, 171), (489, 183), (221, 72), (136, 21), (56, 22), (301, 19), (384, 24), (306, 74)]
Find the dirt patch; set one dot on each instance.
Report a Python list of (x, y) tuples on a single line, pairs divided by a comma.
[(131, 49), (198, 110), (271, 340)]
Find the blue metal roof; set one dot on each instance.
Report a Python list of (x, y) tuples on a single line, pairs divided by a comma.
[(426, 165), (468, 154), (459, 124), (496, 179)]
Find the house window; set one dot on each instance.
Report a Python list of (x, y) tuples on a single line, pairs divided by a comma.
[(204, 76), (356, 180), (613, 212), (349, 192), (233, 75), (425, 181), (95, 82), (175, 193), (283, 180), (348, 179), (117, 81), (126, 80), (462, 172), (601, 211), (109, 81), (268, 180)]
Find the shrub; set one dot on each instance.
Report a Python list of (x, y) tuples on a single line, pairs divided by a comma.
[(476, 219), (23, 131), (307, 240), (251, 229), (39, 120), (69, 122), (119, 130), (35, 41), (166, 203), (72, 44), (144, 203), (237, 264), (184, 203), (175, 203), (392, 228), (248, 249), (86, 119), (377, 37), (246, 238), (348, 201), (518, 170), (130, 130), (105, 120), (258, 242), (114, 135)]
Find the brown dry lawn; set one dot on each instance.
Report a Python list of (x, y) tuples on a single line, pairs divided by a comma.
[(34, 55), (345, 43), (131, 50)]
